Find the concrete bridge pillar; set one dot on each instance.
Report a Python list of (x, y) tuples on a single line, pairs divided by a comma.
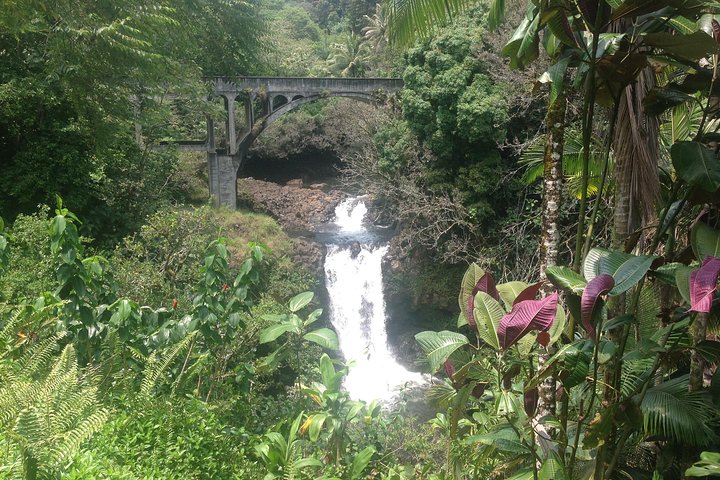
[(231, 133), (222, 177), (249, 113)]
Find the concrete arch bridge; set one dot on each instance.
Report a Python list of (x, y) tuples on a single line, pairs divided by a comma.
[(276, 97)]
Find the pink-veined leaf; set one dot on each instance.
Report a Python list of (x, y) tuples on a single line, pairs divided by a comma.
[(703, 284), (525, 316), (485, 284), (599, 285), (529, 293), (449, 369)]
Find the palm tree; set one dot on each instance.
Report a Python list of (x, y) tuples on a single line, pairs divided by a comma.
[(376, 31), (350, 58)]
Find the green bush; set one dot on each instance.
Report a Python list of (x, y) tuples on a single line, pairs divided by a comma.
[(182, 438)]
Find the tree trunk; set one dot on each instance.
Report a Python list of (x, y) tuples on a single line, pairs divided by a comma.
[(552, 183), (550, 235), (636, 151), (697, 363)]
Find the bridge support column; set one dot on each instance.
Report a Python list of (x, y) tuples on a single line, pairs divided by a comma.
[(222, 177)]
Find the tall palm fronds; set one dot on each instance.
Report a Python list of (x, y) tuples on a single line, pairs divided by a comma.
[(350, 58), (682, 123), (376, 31), (409, 20), (532, 160)]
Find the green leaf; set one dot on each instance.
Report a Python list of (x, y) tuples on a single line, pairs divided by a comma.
[(558, 326), (682, 24), (274, 331), (361, 461), (271, 361), (355, 408), (705, 241), (529, 47), (556, 358), (566, 279), (575, 366), (496, 14), (556, 72), (683, 417), (696, 164), (312, 318), (707, 466), (666, 273), (507, 402), (504, 439), (523, 47), (556, 21), (552, 468), (488, 314), (462, 320), (324, 337), (330, 378), (315, 425), (591, 264), (526, 344), (472, 275), (631, 272), (300, 300), (660, 99), (693, 46), (606, 350), (509, 292), (272, 317), (438, 346), (307, 462), (524, 474), (682, 280)]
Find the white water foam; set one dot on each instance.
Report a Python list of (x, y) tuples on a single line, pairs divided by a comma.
[(357, 311)]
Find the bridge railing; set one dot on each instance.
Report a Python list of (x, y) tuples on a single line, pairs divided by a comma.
[(307, 84)]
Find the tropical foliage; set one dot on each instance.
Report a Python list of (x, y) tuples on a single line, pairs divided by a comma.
[(145, 339)]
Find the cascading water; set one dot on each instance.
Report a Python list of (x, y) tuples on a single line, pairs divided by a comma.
[(353, 277)]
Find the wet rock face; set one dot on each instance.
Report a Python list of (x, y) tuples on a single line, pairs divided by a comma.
[(295, 207), (298, 209), (355, 249), (310, 254)]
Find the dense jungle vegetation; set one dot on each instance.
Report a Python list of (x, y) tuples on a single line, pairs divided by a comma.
[(553, 166)]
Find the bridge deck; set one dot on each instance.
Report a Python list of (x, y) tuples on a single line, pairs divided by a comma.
[(226, 85)]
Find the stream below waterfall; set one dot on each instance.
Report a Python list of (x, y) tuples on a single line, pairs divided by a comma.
[(354, 282)]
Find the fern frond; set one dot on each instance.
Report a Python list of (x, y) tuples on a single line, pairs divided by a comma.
[(45, 420), (71, 440), (38, 357), (7, 333), (157, 366)]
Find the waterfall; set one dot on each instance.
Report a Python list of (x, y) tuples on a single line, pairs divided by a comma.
[(353, 274)]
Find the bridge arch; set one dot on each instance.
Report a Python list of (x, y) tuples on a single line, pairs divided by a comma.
[(278, 95)]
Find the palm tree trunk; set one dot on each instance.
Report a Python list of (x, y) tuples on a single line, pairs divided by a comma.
[(550, 234), (552, 183), (636, 150), (697, 363)]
